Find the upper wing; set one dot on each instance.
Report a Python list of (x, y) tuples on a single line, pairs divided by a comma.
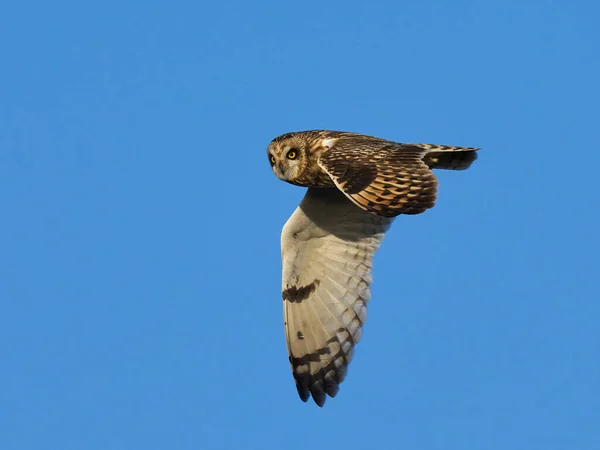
[(327, 248), (380, 176)]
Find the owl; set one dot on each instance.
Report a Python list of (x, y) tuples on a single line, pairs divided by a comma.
[(357, 185)]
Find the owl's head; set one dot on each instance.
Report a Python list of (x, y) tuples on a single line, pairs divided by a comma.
[(289, 157)]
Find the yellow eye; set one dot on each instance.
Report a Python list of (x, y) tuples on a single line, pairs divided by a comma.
[(272, 159), (292, 154)]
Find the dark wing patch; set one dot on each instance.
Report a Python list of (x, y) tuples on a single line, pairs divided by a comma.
[(449, 157), (355, 177), (381, 177), (296, 294)]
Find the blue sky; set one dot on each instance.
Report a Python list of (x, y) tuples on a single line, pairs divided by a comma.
[(139, 239)]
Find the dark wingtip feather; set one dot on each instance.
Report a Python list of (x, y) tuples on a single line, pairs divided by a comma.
[(318, 391), (458, 160), (303, 392), (331, 387), (318, 394)]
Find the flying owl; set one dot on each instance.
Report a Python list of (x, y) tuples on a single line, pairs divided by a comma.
[(357, 185)]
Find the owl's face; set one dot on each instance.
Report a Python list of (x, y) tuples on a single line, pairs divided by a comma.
[(288, 158)]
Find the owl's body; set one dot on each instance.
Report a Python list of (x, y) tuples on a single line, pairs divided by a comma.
[(357, 185)]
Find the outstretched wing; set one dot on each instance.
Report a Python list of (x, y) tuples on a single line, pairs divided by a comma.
[(380, 176), (327, 248)]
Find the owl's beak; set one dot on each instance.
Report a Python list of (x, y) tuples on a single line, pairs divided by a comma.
[(280, 167)]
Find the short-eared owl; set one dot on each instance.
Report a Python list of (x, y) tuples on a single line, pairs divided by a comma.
[(356, 184)]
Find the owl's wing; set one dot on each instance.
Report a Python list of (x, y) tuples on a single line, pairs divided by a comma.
[(327, 248), (380, 176)]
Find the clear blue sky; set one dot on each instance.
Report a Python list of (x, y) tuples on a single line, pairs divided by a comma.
[(140, 267)]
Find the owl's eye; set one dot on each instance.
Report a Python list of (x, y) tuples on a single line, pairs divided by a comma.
[(272, 160), (292, 154)]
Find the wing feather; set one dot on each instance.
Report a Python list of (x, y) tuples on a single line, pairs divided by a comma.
[(381, 177), (327, 250)]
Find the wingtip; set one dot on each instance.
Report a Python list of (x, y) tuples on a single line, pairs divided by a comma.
[(317, 392), (303, 393)]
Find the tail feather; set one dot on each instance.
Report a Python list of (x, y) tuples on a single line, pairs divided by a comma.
[(448, 157)]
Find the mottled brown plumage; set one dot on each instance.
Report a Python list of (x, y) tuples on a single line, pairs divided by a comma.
[(357, 185), (380, 176)]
